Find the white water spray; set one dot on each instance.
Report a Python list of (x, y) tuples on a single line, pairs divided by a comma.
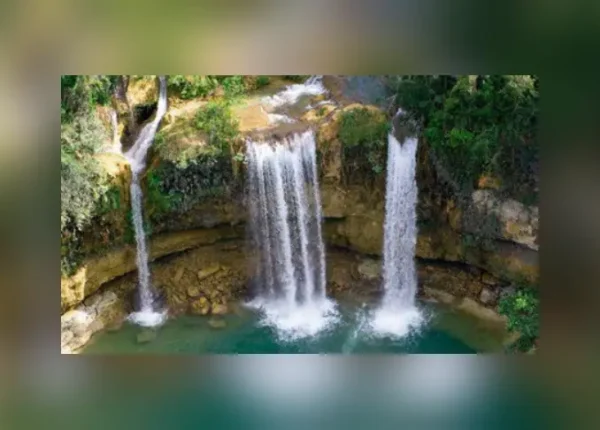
[(398, 314), (147, 314), (285, 221), (290, 95)]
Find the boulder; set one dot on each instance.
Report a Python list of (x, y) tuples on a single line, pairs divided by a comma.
[(200, 306)]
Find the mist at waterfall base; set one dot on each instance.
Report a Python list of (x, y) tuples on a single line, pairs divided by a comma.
[(285, 226), (148, 313), (398, 316)]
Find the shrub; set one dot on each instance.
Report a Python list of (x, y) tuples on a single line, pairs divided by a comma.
[(363, 134), (262, 81), (522, 311), (82, 184), (216, 120), (233, 86), (192, 86), (82, 180), (477, 125), (159, 200), (178, 189), (81, 93), (296, 78)]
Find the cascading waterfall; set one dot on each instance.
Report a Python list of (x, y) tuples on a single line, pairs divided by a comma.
[(285, 222), (398, 313), (148, 314)]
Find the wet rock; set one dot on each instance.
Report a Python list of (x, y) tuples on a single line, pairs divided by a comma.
[(193, 291), (200, 306), (470, 306), (217, 323), (208, 271), (146, 336), (370, 269), (488, 296), (219, 309)]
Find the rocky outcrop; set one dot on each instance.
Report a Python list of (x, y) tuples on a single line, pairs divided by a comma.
[(100, 311), (206, 280), (114, 263)]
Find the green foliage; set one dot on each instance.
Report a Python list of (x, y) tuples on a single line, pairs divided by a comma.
[(233, 87), (83, 183), (159, 199), (192, 86), (477, 125), (82, 179), (110, 200), (80, 94), (216, 120), (296, 78), (363, 134), (240, 157), (207, 175), (522, 311), (262, 81)]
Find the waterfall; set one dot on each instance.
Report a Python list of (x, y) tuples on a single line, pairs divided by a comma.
[(148, 314), (285, 224), (397, 313)]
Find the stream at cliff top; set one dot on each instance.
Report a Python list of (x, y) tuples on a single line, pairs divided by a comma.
[(447, 332)]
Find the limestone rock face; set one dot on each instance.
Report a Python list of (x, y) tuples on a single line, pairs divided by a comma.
[(516, 222), (99, 270)]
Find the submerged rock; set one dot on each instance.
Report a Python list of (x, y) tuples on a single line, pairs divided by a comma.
[(146, 336), (217, 323)]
